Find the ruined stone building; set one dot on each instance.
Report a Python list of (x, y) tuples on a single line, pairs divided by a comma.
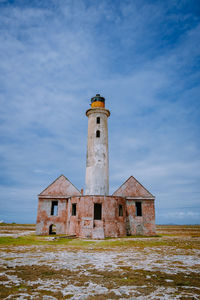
[(63, 209)]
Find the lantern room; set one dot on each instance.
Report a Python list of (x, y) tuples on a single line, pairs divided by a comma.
[(97, 101)]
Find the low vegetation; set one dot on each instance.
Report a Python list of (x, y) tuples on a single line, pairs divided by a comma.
[(164, 266)]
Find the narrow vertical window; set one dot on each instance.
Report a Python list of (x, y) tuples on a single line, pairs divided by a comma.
[(120, 210), (98, 133), (54, 208), (74, 209), (97, 211), (138, 206), (98, 120)]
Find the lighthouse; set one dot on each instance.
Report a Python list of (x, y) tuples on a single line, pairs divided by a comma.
[(97, 161), (63, 209)]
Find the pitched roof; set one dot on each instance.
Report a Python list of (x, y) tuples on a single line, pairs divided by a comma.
[(61, 187), (132, 188)]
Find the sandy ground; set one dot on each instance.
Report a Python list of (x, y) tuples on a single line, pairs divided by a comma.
[(165, 267)]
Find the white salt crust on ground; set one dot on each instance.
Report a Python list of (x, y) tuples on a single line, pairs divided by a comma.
[(168, 259)]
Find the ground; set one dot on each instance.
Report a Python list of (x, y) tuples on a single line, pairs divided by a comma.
[(166, 266)]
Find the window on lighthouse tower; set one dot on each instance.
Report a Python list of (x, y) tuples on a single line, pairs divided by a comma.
[(98, 133), (98, 120)]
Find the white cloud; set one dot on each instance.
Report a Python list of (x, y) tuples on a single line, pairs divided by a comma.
[(139, 56)]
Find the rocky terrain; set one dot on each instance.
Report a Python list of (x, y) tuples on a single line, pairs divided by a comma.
[(166, 266)]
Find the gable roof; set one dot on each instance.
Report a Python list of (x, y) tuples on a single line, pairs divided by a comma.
[(61, 187), (132, 188)]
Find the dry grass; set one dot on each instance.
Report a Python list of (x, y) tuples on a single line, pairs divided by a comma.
[(179, 230), (165, 266)]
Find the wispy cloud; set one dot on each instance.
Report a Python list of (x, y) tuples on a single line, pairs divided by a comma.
[(142, 56)]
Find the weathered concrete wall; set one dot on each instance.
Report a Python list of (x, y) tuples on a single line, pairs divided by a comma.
[(132, 187), (61, 187), (83, 223), (97, 164), (140, 225), (110, 224), (73, 223), (45, 219), (59, 191)]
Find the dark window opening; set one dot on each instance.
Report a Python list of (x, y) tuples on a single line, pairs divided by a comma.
[(97, 211), (98, 133), (120, 210), (52, 229), (74, 209), (138, 206), (54, 208), (98, 120)]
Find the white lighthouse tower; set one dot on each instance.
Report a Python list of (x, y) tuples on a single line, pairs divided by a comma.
[(97, 165)]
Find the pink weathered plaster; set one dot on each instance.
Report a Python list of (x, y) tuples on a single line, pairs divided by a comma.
[(61, 187), (132, 188), (83, 223)]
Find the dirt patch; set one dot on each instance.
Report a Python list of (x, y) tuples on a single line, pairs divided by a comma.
[(162, 267)]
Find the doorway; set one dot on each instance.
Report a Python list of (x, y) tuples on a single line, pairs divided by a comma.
[(52, 229)]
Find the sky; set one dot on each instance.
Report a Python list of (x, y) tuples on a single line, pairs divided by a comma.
[(143, 56)]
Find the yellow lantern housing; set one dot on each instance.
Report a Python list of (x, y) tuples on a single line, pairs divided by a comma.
[(97, 101)]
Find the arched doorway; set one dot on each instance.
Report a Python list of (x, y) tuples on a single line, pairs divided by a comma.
[(52, 229)]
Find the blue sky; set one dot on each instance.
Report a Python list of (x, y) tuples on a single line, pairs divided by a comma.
[(142, 56)]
